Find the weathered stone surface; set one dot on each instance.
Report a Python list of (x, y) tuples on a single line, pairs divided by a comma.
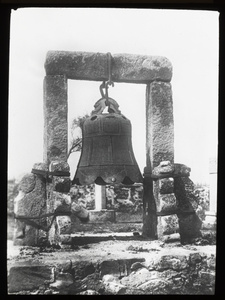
[(40, 166), (189, 226), (137, 265), (110, 267), (64, 224), (55, 118), (183, 189), (167, 203), (114, 288), (166, 185), (167, 225), (182, 170), (175, 262), (61, 202), (79, 211), (27, 183), (93, 66), (165, 167), (123, 217), (153, 285), (92, 282), (59, 166), (110, 278), (135, 279), (61, 184), (195, 258), (28, 278), (81, 269), (118, 267), (207, 277), (63, 280), (101, 216), (31, 203), (159, 125)]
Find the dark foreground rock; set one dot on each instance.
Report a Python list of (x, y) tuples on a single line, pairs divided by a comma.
[(113, 268)]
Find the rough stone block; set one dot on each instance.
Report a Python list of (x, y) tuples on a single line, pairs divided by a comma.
[(32, 202), (64, 224), (164, 168), (167, 225), (61, 202), (41, 166), (59, 166), (135, 279), (183, 189), (122, 217), (82, 269), (80, 212), (114, 288), (195, 258), (101, 216), (154, 285), (167, 203), (189, 226), (55, 118), (166, 185), (28, 278), (93, 66), (27, 183), (174, 262), (61, 184), (63, 280), (160, 126)]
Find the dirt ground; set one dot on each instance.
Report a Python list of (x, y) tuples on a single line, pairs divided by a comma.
[(94, 248)]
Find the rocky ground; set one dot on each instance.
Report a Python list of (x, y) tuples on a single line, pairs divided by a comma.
[(113, 264)]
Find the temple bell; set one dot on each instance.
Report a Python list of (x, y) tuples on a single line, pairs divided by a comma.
[(107, 155)]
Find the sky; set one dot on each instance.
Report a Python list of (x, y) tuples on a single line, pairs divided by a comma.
[(188, 38)]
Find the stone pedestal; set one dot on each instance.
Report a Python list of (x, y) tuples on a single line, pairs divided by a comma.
[(29, 205)]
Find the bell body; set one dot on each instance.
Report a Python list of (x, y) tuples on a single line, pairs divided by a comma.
[(107, 156)]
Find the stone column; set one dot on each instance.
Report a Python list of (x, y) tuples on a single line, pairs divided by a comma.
[(55, 140), (55, 118), (159, 146), (211, 214)]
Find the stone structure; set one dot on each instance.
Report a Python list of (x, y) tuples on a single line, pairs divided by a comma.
[(211, 214), (163, 191)]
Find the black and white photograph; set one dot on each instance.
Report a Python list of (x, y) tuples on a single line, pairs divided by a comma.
[(112, 151)]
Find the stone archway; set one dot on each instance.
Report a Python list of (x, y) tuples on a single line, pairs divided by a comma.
[(154, 71), (166, 184)]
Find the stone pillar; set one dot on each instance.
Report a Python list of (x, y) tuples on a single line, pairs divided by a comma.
[(211, 214), (159, 145), (55, 118), (100, 197), (159, 123), (58, 201)]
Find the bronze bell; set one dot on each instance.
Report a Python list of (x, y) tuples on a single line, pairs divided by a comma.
[(107, 156)]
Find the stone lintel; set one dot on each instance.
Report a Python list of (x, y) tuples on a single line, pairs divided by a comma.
[(94, 66)]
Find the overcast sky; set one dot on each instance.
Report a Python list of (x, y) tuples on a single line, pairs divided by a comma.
[(188, 38)]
